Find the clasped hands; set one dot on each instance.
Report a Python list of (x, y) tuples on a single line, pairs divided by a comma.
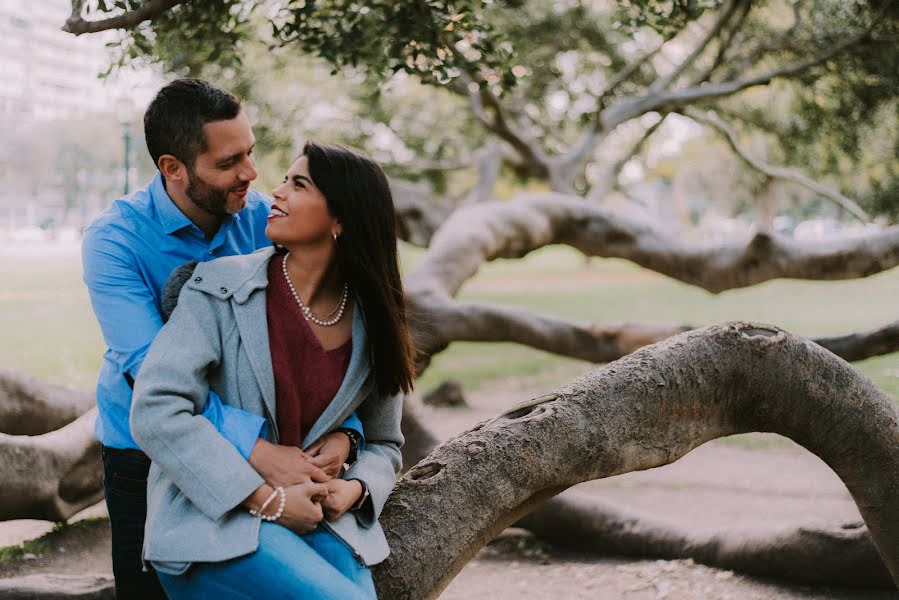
[(310, 480)]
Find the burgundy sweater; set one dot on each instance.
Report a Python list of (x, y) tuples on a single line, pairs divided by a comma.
[(307, 377)]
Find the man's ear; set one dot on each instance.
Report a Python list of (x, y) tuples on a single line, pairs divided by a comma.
[(172, 168)]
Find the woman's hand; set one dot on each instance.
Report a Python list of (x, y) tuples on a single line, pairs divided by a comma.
[(330, 452), (303, 509), (341, 497)]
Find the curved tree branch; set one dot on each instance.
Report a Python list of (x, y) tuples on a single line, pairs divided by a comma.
[(630, 108), (643, 411), (843, 556), (724, 15), (31, 407), (51, 476), (480, 98), (147, 11), (862, 345), (608, 179), (419, 213), (791, 175), (448, 321), (727, 40), (475, 234)]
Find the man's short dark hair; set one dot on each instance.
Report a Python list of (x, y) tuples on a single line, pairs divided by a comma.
[(173, 123)]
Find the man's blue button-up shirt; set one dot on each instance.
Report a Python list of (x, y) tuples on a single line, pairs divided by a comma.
[(128, 253)]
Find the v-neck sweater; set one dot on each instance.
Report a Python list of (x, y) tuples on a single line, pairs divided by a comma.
[(307, 376)]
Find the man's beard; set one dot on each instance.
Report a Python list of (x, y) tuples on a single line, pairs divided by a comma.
[(210, 198)]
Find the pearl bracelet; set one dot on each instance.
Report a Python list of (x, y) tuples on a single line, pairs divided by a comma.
[(281, 503), (257, 513)]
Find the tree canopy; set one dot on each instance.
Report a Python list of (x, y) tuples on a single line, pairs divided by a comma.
[(561, 86)]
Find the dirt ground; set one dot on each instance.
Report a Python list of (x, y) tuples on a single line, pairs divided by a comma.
[(758, 481)]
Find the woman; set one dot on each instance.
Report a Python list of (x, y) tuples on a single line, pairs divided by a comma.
[(302, 337)]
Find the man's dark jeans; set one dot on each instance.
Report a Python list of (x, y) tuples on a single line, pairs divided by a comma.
[(125, 484)]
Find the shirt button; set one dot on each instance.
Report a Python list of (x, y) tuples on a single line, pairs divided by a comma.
[(224, 290), (198, 279)]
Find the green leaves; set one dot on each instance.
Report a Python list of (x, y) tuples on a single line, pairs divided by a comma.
[(432, 39)]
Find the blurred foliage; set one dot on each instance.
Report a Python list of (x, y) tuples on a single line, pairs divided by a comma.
[(393, 76)]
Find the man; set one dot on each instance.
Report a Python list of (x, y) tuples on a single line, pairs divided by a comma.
[(199, 206)]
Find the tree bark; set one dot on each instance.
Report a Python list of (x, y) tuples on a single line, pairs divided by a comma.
[(865, 344), (418, 212), (51, 476), (128, 20), (31, 407), (475, 234), (643, 411)]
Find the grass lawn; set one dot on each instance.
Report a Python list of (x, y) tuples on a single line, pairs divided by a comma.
[(49, 330)]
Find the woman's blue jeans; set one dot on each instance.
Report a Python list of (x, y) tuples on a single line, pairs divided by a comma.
[(317, 565)]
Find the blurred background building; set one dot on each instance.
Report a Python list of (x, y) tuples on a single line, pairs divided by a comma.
[(52, 100)]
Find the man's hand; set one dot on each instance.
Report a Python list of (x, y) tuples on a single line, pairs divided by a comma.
[(330, 452), (285, 465), (342, 495)]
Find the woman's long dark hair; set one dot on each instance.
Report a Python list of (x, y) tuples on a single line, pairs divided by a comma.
[(358, 195)]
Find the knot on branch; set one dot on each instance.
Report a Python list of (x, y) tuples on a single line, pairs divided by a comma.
[(426, 472), (765, 334), (530, 409)]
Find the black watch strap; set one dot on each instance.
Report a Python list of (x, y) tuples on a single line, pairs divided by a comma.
[(361, 502), (355, 442)]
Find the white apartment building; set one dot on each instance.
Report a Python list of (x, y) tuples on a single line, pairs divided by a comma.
[(45, 73)]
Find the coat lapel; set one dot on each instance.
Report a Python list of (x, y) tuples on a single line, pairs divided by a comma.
[(356, 375), (252, 324)]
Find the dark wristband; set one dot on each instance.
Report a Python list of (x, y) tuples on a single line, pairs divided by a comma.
[(363, 497), (355, 442)]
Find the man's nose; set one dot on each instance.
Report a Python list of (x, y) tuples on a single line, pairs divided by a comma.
[(248, 171)]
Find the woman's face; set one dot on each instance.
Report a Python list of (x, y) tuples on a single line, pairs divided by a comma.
[(300, 213)]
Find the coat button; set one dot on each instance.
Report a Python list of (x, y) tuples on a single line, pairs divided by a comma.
[(224, 290), (198, 279)]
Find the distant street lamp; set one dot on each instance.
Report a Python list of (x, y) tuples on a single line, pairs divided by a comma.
[(124, 112)]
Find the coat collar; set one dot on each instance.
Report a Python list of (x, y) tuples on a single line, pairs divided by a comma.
[(238, 277), (234, 276)]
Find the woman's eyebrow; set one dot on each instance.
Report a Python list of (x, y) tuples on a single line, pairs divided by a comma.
[(299, 178)]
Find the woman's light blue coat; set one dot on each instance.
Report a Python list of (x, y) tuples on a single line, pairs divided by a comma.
[(217, 338)]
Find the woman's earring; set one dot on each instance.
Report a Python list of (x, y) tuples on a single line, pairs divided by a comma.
[(334, 235)]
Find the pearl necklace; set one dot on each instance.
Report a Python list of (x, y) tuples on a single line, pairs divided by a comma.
[(307, 312)]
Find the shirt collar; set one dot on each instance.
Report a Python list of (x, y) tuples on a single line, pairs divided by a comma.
[(170, 216)]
